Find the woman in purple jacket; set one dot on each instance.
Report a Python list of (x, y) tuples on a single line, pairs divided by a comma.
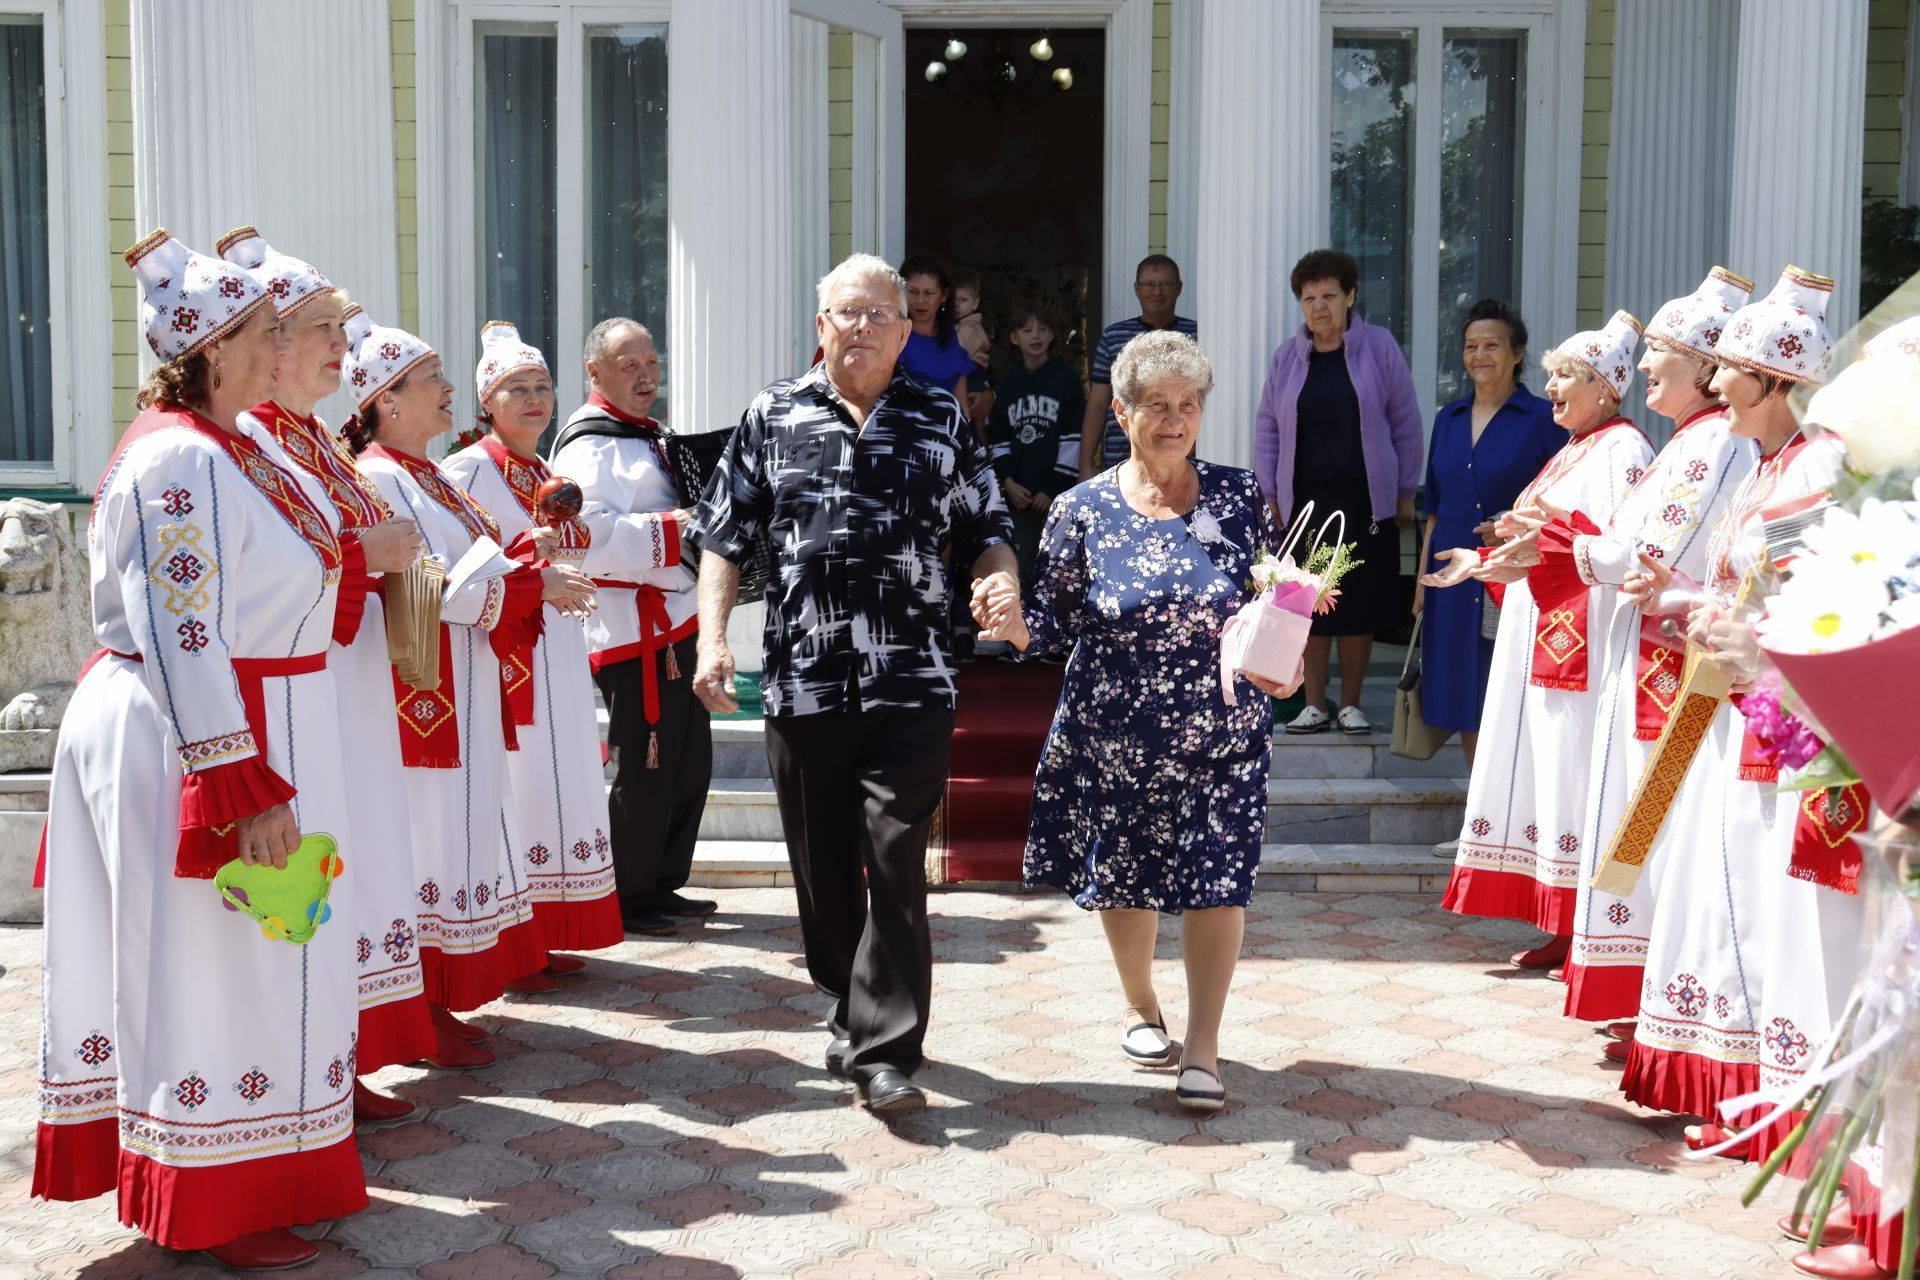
[(1339, 426)]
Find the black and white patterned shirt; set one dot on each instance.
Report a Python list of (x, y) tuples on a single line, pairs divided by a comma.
[(857, 517)]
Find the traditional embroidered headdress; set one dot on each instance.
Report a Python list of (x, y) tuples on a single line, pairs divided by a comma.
[(291, 282), (503, 353), (378, 357), (1607, 353), (188, 300), (1784, 335), (1694, 323)]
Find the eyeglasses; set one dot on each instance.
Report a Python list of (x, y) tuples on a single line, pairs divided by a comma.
[(850, 317), (1155, 286)]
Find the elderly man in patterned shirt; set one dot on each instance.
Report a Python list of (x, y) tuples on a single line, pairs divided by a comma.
[(859, 472)]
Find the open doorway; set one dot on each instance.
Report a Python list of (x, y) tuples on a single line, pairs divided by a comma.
[(1005, 169)]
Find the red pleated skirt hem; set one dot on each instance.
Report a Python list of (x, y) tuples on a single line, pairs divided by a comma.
[(1878, 1226), (1508, 895), (592, 925), (202, 1207), (1692, 1084), (392, 1033), (1604, 993), (464, 982)]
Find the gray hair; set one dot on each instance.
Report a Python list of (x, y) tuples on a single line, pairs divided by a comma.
[(1559, 363), (863, 268), (1154, 356), (600, 337)]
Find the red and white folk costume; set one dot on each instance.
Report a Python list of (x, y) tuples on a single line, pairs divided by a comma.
[(1669, 516), (203, 1069), (1747, 964), (1521, 843), (394, 1026), (476, 927), (559, 787)]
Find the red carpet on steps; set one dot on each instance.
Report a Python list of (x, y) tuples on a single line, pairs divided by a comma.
[(1004, 712)]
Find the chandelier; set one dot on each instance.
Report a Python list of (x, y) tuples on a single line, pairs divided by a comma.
[(1002, 73)]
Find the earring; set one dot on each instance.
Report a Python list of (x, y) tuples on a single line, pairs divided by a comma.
[(216, 377)]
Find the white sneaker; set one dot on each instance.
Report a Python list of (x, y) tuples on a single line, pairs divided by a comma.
[(1353, 720), (1146, 1044), (1310, 720)]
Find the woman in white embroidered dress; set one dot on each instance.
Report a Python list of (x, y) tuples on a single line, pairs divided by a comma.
[(1665, 520), (394, 1025), (203, 1069), (477, 931), (1747, 964), (1526, 800), (559, 783)]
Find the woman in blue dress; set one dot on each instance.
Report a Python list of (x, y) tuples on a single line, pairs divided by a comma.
[(1486, 447), (1151, 795)]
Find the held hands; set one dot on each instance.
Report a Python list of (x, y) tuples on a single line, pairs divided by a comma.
[(546, 541), (1273, 690), (567, 589), (1019, 497), (713, 677), (268, 838), (391, 546), (1459, 566), (1521, 553), (996, 610), (1645, 585)]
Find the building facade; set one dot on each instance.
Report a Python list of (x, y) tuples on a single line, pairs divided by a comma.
[(698, 163)]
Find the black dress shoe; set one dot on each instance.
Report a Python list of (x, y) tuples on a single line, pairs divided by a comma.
[(889, 1092), (837, 1052), (679, 904), (649, 922)]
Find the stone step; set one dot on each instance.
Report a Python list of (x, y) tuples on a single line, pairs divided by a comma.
[(1297, 868), (1305, 811)]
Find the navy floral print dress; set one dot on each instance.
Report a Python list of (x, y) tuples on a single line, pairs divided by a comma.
[(1152, 791)]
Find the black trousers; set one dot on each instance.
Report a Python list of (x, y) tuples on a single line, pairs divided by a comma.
[(857, 792), (655, 812)]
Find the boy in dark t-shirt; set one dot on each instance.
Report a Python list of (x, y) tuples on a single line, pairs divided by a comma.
[(1034, 428)]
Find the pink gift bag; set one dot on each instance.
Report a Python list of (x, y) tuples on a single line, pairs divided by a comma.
[(1269, 633)]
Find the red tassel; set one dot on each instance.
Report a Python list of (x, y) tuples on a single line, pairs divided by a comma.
[(653, 750), (673, 664)]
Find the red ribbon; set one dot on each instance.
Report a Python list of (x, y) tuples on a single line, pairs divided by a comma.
[(1823, 848), (207, 846), (1560, 657), (1658, 678), (429, 723)]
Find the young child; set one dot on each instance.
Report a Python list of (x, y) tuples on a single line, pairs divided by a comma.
[(1034, 429), (967, 325)]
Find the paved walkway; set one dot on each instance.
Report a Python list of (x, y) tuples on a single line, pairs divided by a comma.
[(1404, 1106)]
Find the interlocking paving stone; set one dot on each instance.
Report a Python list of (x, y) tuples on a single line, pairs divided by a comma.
[(1403, 1106)]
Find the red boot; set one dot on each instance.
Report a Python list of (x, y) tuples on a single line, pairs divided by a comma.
[(455, 1050), (377, 1108), (1550, 954), (535, 983), (557, 963), (1622, 1030), (1615, 1050), (1842, 1262), (446, 1024), (274, 1250)]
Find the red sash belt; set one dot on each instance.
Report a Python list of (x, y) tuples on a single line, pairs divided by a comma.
[(429, 725), (656, 627), (1658, 675), (1559, 658), (206, 846), (1823, 830)]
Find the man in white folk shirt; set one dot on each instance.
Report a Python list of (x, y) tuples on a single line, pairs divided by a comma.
[(641, 639)]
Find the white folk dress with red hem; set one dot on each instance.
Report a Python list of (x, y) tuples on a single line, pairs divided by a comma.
[(477, 931), (1746, 965), (394, 1026), (1670, 516), (559, 782), (1526, 801), (204, 1069)]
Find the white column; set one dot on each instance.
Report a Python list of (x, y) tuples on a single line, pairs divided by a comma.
[(1129, 132), (811, 216), (1799, 109), (1183, 144), (730, 196), (1668, 164), (1261, 182)]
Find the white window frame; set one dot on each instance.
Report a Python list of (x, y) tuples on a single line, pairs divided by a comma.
[(79, 298), (1550, 178), (447, 183)]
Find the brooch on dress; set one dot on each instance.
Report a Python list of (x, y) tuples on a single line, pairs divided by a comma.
[(1206, 528)]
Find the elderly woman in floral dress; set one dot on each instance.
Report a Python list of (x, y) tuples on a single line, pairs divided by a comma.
[(1151, 794)]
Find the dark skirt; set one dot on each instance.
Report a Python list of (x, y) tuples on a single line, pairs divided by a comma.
[(1371, 597)]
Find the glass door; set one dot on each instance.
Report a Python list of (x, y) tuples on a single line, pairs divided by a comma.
[(1429, 181)]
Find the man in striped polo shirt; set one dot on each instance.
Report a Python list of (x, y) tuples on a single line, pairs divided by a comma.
[(1156, 282)]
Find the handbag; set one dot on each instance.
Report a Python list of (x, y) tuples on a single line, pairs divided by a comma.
[(1413, 737), (1489, 616), (694, 458)]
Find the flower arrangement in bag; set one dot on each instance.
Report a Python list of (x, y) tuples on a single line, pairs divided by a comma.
[(1315, 585)]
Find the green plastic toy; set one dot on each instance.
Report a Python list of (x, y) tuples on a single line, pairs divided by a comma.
[(290, 905)]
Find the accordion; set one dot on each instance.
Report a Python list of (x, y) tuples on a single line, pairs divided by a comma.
[(694, 459)]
